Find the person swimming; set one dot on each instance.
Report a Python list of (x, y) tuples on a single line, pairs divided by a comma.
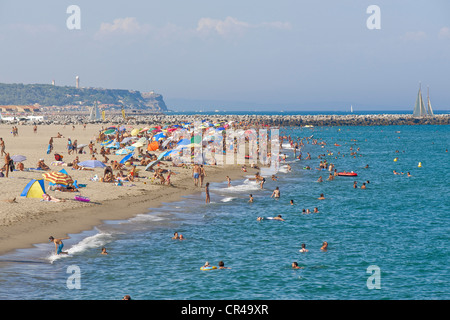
[(303, 249)]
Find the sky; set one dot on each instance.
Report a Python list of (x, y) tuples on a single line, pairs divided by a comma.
[(256, 55)]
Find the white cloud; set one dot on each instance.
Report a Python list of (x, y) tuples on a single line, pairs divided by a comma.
[(222, 27), (228, 28), (444, 33), (233, 27), (128, 25)]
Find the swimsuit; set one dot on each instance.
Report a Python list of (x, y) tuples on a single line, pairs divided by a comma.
[(196, 175), (60, 246)]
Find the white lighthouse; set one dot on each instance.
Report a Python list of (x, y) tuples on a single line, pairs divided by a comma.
[(77, 80)]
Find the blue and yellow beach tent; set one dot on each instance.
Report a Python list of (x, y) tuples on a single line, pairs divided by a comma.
[(34, 189)]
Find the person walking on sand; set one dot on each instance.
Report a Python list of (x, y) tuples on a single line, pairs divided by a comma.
[(196, 174), (58, 245), (202, 175), (7, 164), (2, 146)]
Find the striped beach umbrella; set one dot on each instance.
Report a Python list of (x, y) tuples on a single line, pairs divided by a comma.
[(57, 178)]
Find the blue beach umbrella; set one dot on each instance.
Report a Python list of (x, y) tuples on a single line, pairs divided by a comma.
[(184, 142), (126, 158)]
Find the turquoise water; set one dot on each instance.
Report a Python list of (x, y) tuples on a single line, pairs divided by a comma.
[(399, 224)]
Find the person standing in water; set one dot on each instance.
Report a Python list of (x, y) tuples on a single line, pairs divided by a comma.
[(58, 245), (303, 249), (208, 200), (276, 193)]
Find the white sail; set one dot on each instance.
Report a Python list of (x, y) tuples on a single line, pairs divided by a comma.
[(351, 108), (419, 108), (92, 114), (429, 109), (95, 113)]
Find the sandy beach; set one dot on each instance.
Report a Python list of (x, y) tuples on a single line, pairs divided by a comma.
[(26, 221)]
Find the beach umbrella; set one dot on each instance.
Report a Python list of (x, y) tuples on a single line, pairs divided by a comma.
[(196, 139), (123, 151), (92, 164), (57, 178), (164, 154), (151, 164), (137, 144), (142, 140), (114, 145), (104, 143), (135, 132), (110, 131), (82, 145), (126, 140), (18, 158), (126, 158), (183, 142), (159, 136)]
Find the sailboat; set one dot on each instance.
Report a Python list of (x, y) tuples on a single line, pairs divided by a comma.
[(351, 109), (429, 109), (95, 113), (419, 107)]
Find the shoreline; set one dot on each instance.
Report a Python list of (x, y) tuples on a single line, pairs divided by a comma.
[(27, 221), (76, 220)]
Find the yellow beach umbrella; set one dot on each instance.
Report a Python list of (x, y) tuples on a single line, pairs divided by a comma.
[(135, 132)]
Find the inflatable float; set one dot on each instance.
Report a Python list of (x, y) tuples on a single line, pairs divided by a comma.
[(208, 268), (82, 199), (347, 174)]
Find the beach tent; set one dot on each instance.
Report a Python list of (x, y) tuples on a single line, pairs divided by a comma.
[(34, 189), (153, 146)]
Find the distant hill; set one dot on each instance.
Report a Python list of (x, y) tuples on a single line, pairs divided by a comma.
[(49, 95)]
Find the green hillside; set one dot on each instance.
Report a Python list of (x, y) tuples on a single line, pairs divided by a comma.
[(50, 95)]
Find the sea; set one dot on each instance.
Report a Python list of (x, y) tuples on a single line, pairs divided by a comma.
[(385, 242)]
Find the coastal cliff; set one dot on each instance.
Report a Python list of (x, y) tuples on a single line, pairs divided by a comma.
[(46, 95)]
